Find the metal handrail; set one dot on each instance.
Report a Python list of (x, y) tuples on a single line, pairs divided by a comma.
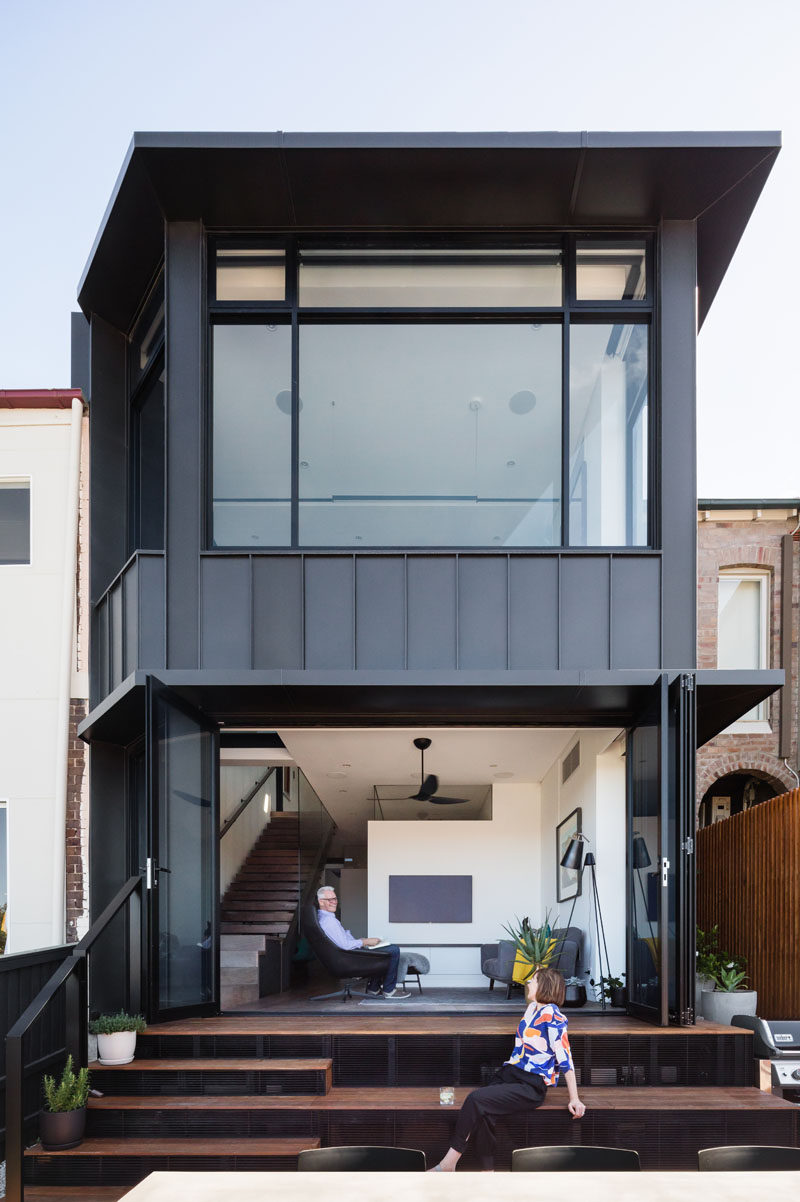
[(245, 802), (74, 975)]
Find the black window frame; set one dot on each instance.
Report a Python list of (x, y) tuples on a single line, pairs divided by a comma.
[(571, 311), (138, 385)]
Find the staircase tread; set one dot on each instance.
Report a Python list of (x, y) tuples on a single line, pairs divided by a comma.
[(219, 1064), (401, 1097), (186, 1146)]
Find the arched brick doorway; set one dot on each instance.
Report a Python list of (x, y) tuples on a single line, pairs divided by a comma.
[(736, 791)]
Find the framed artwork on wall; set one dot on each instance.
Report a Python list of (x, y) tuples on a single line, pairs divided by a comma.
[(568, 879)]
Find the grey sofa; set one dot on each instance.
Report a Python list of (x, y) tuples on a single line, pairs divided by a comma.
[(497, 959)]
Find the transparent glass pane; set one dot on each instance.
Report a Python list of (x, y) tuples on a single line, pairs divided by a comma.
[(15, 521), (147, 334), (608, 435), (148, 467), (643, 982), (185, 858), (247, 274), (251, 382), (429, 279), (610, 271), (430, 435)]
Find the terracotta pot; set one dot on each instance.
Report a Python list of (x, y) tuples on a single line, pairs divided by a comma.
[(720, 1007), (62, 1129), (118, 1048)]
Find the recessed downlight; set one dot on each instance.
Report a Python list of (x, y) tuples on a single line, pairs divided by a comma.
[(522, 402)]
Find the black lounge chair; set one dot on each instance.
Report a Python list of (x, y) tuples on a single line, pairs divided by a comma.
[(346, 965), (366, 1159), (575, 1159), (749, 1157)]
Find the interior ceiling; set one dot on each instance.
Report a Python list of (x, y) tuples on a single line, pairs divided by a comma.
[(344, 766)]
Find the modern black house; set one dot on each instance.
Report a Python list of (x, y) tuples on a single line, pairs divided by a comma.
[(394, 434)]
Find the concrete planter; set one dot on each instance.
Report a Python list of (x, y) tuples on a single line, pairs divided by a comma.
[(118, 1048), (702, 985), (720, 1007)]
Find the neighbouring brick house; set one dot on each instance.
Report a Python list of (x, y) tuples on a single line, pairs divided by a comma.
[(747, 617)]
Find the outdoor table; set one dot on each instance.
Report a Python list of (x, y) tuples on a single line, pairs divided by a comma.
[(466, 1186)]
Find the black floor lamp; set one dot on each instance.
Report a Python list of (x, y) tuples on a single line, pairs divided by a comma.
[(573, 858)]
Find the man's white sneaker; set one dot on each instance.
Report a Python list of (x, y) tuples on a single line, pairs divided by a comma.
[(397, 993)]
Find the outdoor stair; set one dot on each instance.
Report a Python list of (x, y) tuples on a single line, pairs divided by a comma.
[(260, 905), (236, 1094)]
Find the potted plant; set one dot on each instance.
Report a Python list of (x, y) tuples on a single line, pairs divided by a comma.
[(612, 989), (574, 993), (730, 994), (116, 1036), (62, 1121), (535, 947)]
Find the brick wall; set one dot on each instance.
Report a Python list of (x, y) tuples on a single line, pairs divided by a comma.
[(754, 544), (77, 826)]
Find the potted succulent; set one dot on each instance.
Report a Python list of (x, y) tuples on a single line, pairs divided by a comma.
[(62, 1121), (730, 994), (612, 989), (535, 947), (116, 1036)]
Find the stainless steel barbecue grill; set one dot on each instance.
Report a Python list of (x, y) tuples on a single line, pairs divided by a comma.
[(777, 1041)]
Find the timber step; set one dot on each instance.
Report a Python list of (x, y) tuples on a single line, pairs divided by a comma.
[(244, 928), (229, 1075)]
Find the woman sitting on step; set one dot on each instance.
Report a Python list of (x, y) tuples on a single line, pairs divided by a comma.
[(541, 1050)]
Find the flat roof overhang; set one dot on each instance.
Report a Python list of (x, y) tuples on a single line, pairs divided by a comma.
[(378, 183), (334, 699)]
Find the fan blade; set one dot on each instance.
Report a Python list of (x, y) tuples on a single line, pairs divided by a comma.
[(426, 789), (448, 801)]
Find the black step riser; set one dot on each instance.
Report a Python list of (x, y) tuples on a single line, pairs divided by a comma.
[(194, 1083), (166, 1124), (129, 1170)]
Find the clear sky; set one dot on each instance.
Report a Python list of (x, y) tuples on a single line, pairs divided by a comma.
[(79, 76)]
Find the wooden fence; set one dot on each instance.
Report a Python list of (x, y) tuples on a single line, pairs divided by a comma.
[(748, 881)]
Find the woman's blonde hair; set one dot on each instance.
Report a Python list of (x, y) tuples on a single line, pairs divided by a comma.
[(549, 985)]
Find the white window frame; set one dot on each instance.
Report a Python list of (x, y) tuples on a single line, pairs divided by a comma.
[(5, 806), (760, 723), (21, 567)]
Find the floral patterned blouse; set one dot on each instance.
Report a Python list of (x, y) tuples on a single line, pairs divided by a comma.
[(541, 1044)]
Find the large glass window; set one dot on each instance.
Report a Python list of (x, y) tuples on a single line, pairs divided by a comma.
[(148, 463), (608, 435), (251, 380), (430, 435), (743, 626), (15, 521), (610, 271)]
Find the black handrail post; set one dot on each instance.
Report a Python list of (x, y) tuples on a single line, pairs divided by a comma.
[(14, 1123), (77, 1012)]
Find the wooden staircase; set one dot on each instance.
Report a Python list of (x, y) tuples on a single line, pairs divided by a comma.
[(260, 907)]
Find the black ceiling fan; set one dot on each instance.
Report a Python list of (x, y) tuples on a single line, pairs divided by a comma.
[(430, 784)]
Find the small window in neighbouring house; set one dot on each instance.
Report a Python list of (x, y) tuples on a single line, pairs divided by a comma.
[(15, 521), (742, 636)]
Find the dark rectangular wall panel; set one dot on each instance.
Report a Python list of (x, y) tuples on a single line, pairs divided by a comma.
[(380, 612), (636, 612), (431, 611), (533, 613), (482, 611), (184, 426), (676, 370), (115, 620), (225, 612), (130, 608), (109, 868), (584, 611), (330, 611), (277, 611), (100, 660), (108, 429), (430, 899), (151, 611)]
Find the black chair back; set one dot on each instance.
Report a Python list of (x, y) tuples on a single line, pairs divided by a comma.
[(358, 1160), (750, 1157), (338, 962), (575, 1159)]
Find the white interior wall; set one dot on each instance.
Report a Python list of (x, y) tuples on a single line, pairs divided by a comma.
[(235, 782), (503, 858), (598, 787)]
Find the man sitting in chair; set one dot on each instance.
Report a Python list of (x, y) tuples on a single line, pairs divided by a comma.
[(385, 986)]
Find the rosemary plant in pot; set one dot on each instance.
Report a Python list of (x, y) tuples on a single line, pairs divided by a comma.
[(62, 1121), (116, 1036)]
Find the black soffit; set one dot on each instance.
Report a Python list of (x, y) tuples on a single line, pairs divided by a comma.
[(425, 182), (330, 699)]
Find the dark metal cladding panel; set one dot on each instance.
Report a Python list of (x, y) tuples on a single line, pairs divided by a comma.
[(482, 611), (432, 611), (151, 611), (329, 610), (108, 439), (225, 612), (584, 612), (380, 612), (100, 662), (635, 612), (277, 611), (533, 612), (185, 417), (115, 618), (130, 606), (80, 367)]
